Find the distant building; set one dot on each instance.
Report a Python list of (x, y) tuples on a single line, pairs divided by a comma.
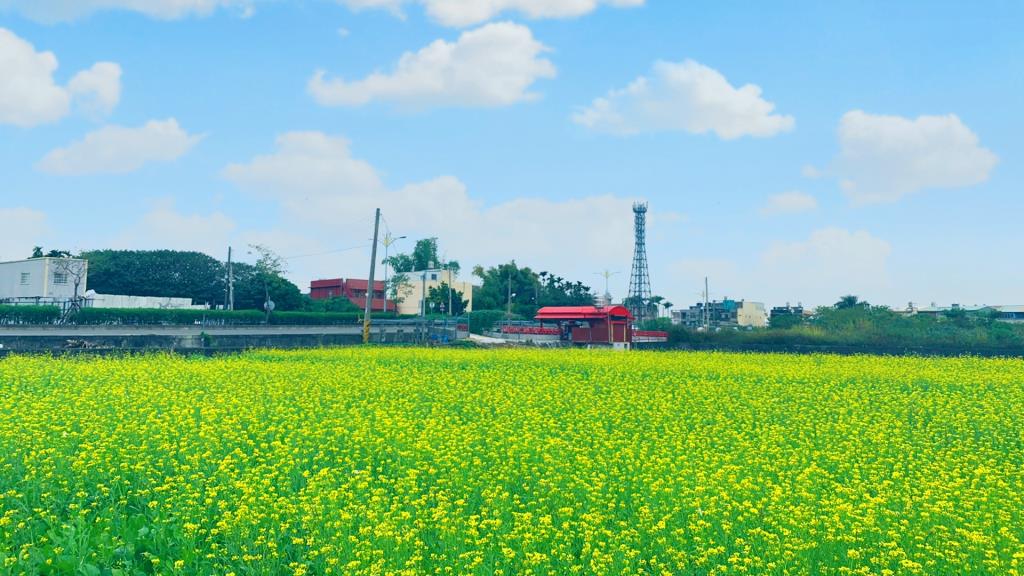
[(784, 316), (420, 282), (43, 280), (63, 281), (722, 314), (354, 290)]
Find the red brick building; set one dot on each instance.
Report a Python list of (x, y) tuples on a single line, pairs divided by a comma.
[(354, 289)]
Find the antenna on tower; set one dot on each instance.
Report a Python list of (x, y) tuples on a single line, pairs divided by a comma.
[(640, 279)]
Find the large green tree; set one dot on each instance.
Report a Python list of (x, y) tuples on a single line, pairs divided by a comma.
[(172, 273), (530, 290), (423, 257), (167, 273), (438, 296)]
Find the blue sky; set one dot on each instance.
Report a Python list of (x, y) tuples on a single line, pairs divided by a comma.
[(877, 150)]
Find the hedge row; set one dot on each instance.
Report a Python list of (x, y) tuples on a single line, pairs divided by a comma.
[(481, 321), (151, 316), (28, 314)]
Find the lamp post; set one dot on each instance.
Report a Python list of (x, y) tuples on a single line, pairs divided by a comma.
[(387, 241)]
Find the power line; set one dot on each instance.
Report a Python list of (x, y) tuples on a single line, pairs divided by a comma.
[(325, 253)]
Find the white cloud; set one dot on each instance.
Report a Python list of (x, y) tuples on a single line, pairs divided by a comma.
[(461, 13), (790, 202), (811, 172), (883, 158), (164, 227), (99, 87), (329, 195), (21, 229), (832, 261), (119, 149), (28, 94), (686, 97), (494, 65), (67, 10)]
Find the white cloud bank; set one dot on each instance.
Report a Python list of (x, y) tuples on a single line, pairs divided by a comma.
[(21, 228), (494, 65), (883, 158), (460, 13), (815, 270), (791, 202), (685, 97), (29, 96), (120, 149), (50, 11), (329, 195)]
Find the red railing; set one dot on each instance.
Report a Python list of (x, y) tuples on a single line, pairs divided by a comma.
[(650, 334), (534, 330)]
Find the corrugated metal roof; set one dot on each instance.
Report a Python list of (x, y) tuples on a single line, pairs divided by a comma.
[(580, 312)]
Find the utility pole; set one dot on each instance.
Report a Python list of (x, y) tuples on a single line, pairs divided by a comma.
[(369, 283), (606, 274), (508, 313), (449, 270), (231, 283)]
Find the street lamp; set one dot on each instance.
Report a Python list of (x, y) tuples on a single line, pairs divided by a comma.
[(387, 241)]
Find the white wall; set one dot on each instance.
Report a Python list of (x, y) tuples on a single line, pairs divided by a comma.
[(752, 314), (40, 275), (121, 301)]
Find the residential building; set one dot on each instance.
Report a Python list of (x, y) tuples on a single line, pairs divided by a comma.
[(419, 283), (785, 316), (354, 289), (43, 280), (722, 314)]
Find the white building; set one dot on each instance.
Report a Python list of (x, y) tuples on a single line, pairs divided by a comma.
[(419, 284), (61, 280), (43, 280)]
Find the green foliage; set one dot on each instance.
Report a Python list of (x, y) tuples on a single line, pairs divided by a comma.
[(28, 314), (158, 316), (424, 257), (530, 290), (438, 295), (482, 320), (785, 321), (872, 327), (334, 304), (251, 288), (166, 273)]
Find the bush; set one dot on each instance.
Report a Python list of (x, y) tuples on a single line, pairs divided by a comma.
[(159, 316), (482, 320), (28, 315)]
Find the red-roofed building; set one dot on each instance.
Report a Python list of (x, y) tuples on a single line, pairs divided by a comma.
[(354, 289), (586, 325)]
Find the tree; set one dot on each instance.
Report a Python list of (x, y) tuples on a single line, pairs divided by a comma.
[(37, 252), (438, 296), (74, 270), (850, 301), (251, 294), (397, 287), (423, 257), (269, 267), (668, 308), (165, 273), (530, 290)]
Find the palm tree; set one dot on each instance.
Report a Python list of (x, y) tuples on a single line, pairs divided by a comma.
[(850, 301), (668, 308)]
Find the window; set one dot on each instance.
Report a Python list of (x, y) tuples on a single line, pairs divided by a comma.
[(60, 277), (433, 276), (24, 278)]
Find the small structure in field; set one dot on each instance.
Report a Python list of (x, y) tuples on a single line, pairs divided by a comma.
[(590, 325)]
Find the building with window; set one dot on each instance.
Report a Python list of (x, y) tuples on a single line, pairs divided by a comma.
[(419, 283), (354, 290), (722, 314), (42, 280)]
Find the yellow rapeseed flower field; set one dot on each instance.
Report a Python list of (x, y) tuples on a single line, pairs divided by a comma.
[(407, 461)]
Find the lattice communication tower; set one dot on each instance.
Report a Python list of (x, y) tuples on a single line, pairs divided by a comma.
[(640, 279)]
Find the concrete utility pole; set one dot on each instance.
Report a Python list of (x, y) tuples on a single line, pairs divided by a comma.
[(231, 283), (369, 283), (606, 275)]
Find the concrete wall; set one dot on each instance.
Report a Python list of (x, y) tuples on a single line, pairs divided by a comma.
[(37, 278), (121, 301)]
